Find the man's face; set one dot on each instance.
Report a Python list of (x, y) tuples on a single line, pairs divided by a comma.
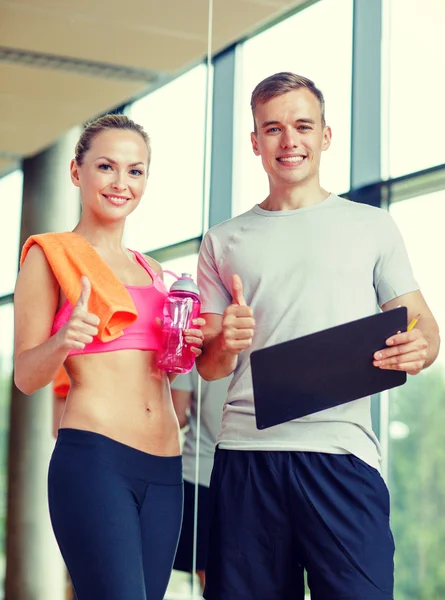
[(290, 137)]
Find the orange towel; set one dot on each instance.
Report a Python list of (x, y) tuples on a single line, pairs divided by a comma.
[(70, 256), (61, 383)]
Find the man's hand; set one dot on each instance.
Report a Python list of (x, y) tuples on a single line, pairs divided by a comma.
[(407, 352), (238, 324)]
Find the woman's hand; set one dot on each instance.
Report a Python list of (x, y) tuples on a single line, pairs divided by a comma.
[(82, 325), (195, 337)]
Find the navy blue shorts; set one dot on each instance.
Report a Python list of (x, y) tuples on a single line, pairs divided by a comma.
[(277, 514), (184, 554)]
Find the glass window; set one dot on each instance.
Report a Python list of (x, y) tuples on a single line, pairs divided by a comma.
[(416, 94), (6, 352), (174, 118), (11, 197), (421, 220), (416, 418), (316, 43)]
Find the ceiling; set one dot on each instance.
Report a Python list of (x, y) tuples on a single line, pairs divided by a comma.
[(63, 62)]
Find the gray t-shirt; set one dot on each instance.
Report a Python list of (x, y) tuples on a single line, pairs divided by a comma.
[(213, 397), (303, 271)]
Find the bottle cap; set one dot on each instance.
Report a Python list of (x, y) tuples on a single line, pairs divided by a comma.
[(185, 284)]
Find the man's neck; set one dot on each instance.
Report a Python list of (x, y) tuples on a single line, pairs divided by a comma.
[(293, 197)]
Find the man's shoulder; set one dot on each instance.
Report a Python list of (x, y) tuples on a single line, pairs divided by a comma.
[(229, 226), (367, 210)]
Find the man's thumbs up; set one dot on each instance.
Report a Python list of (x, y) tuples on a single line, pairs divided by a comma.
[(238, 324)]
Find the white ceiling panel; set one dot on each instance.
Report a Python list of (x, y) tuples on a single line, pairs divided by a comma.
[(64, 62)]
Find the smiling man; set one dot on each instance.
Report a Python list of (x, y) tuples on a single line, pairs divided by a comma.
[(307, 494)]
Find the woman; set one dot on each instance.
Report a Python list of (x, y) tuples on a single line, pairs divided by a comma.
[(115, 477)]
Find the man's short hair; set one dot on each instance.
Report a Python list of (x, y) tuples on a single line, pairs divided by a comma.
[(282, 83)]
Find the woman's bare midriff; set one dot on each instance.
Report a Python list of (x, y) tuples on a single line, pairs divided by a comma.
[(124, 396)]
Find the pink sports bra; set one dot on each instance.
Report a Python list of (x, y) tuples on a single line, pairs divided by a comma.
[(144, 333)]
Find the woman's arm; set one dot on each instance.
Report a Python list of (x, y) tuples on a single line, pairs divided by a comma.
[(38, 355)]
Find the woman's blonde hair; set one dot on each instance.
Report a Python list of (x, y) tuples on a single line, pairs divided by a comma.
[(107, 122)]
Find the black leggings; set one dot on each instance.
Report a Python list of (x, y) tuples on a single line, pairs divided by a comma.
[(116, 513)]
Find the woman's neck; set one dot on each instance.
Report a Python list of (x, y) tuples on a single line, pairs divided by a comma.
[(108, 236)]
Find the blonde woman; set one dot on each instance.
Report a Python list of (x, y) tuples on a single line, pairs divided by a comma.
[(115, 477)]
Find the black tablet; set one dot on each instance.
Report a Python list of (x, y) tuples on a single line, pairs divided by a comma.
[(318, 371)]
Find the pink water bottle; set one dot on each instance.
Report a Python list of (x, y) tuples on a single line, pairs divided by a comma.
[(181, 306)]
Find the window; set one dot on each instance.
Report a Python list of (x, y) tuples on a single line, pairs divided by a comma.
[(174, 118), (421, 222), (316, 43), (6, 359), (11, 198), (182, 264), (416, 94), (416, 415)]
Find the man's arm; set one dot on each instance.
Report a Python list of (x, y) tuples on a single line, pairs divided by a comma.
[(226, 336), (215, 363), (413, 350)]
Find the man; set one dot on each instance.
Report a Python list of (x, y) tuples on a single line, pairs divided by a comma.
[(307, 494), (185, 400)]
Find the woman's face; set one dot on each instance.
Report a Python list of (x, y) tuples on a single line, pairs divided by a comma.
[(113, 174)]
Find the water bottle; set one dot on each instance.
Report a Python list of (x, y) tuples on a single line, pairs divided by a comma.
[(181, 306)]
